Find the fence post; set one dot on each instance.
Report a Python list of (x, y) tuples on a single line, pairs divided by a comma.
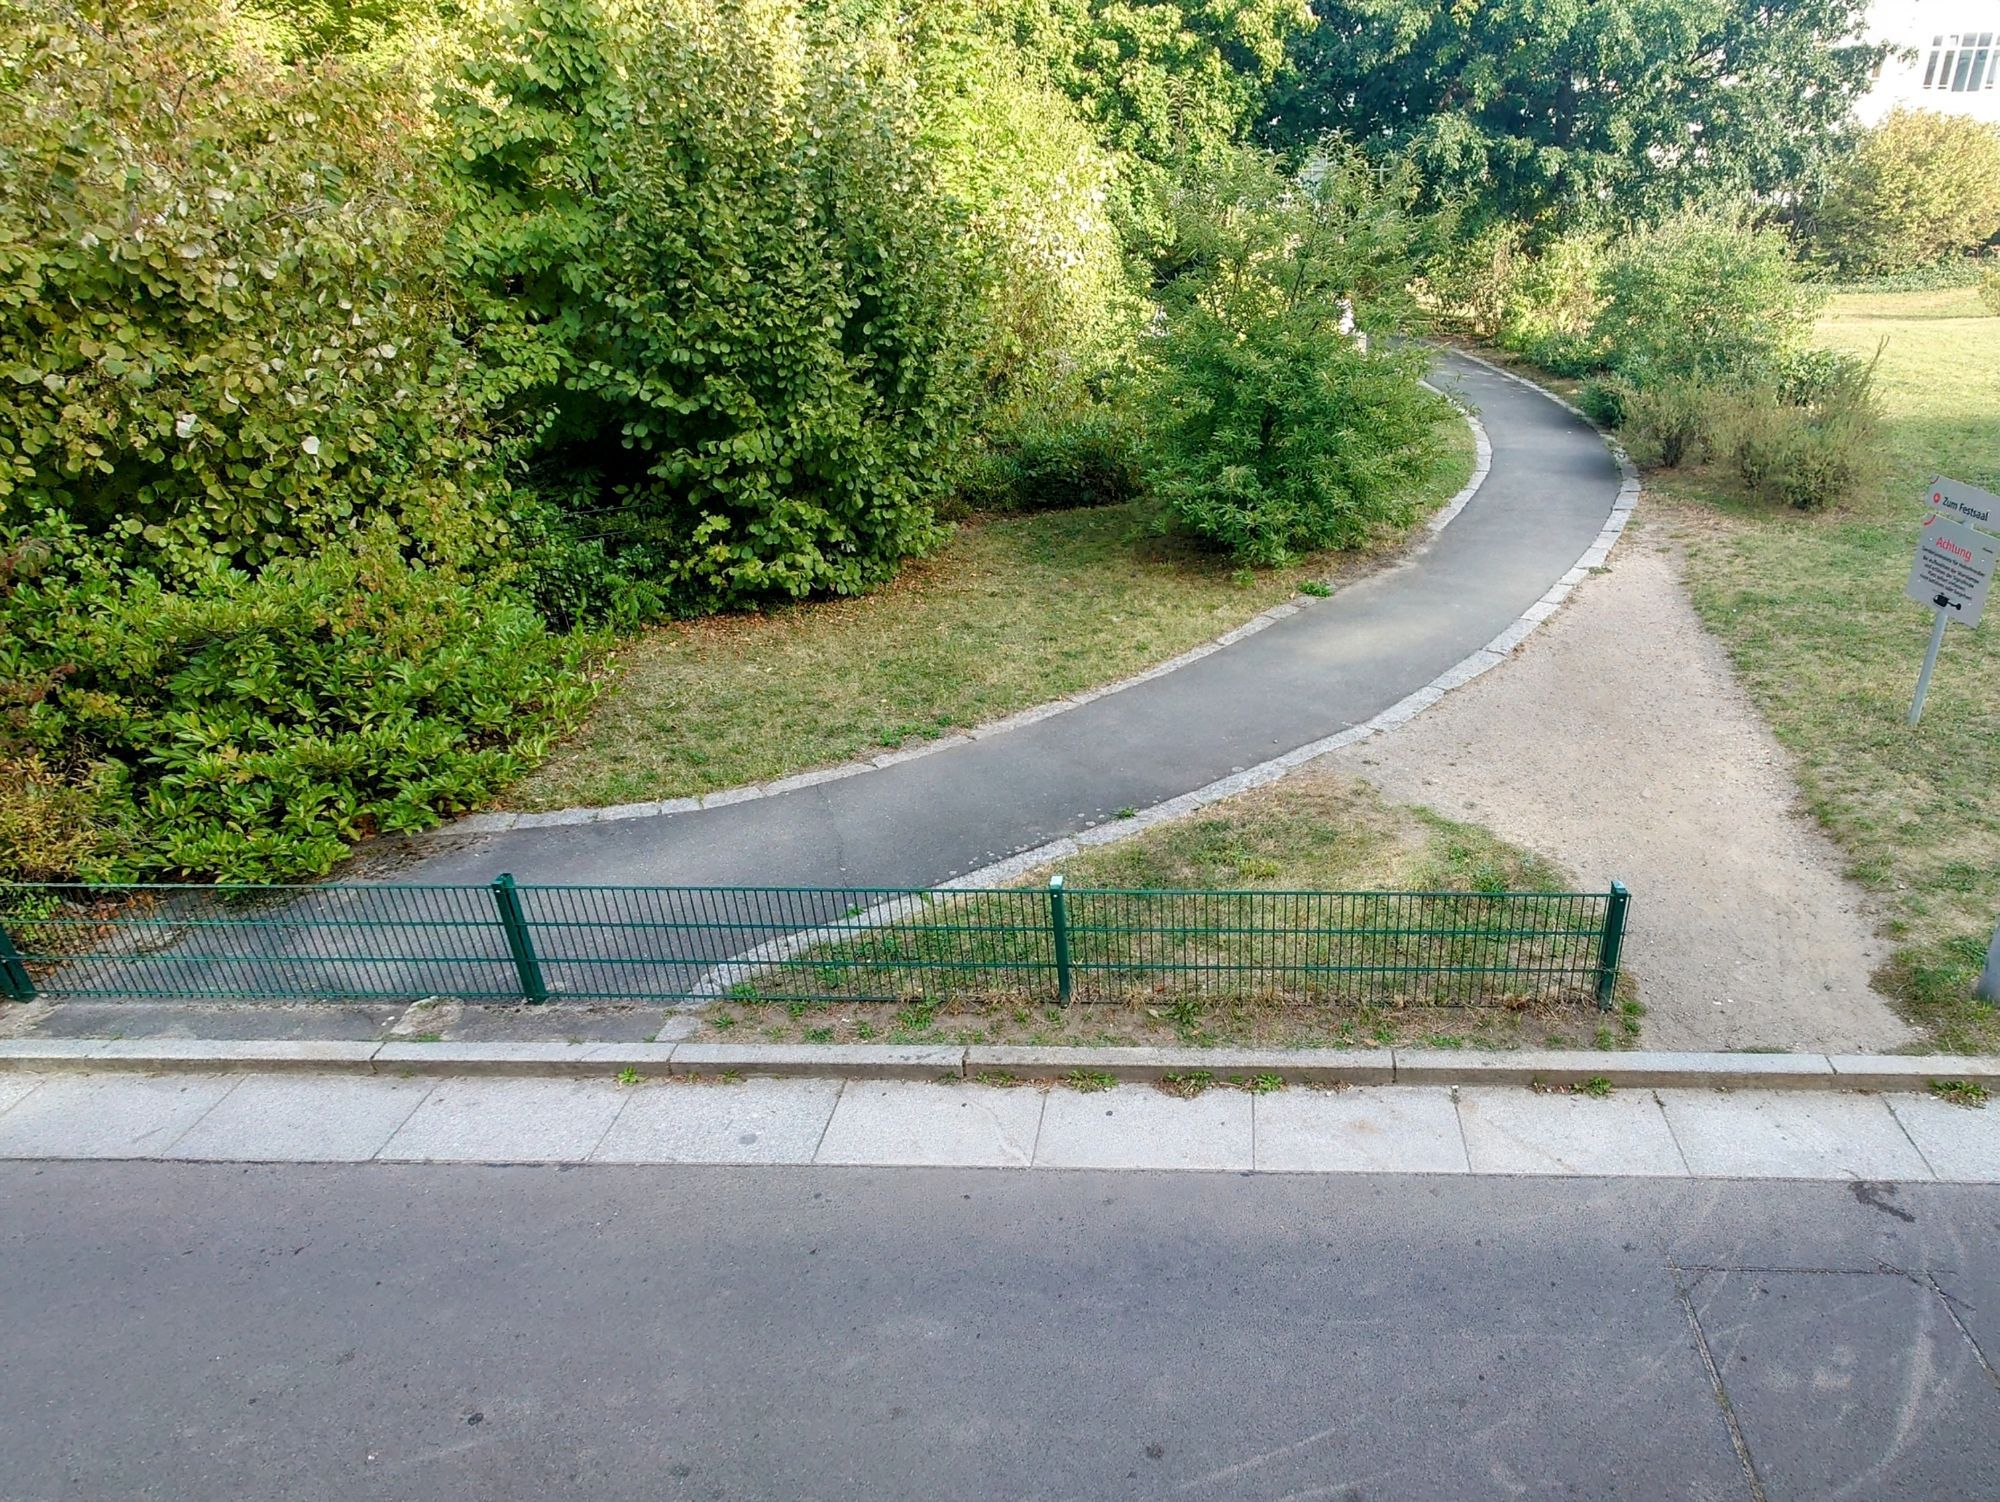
[(1059, 925), (15, 982), (1609, 943), (515, 922)]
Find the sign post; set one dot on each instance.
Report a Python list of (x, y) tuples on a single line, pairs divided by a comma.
[(1989, 978), (1954, 569)]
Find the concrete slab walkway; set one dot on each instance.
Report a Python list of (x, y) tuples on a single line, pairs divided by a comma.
[(1551, 487), (1422, 1129)]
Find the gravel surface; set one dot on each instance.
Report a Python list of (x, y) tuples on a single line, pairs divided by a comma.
[(1618, 742)]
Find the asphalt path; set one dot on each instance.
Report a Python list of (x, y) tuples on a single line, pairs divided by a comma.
[(922, 822)]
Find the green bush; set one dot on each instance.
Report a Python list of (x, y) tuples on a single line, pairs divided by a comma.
[(1551, 304), (1671, 422), (1700, 296), (250, 727), (1916, 188), (223, 332), (1468, 279), (1989, 289), (1090, 457), (709, 264), (1605, 400), (48, 827), (1808, 451), (1270, 433)]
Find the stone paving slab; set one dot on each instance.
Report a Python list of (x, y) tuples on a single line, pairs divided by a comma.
[(1791, 1134), (108, 1116), (13, 1088), (1518, 1131), (1137, 1127), (293, 1118), (1961, 1143), (900, 1123), (508, 1121), (1388, 1129), (685, 1121)]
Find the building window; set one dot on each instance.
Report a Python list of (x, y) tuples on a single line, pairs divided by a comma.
[(1961, 62)]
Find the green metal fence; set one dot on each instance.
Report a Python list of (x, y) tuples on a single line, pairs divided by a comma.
[(508, 942)]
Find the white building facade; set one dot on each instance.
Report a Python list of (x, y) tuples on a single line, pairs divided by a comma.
[(1948, 58)]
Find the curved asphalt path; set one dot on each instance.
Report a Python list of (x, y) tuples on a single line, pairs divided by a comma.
[(922, 822)]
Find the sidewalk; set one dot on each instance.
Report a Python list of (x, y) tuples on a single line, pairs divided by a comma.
[(1478, 1129)]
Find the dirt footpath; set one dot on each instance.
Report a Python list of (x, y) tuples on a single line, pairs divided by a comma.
[(1618, 742)]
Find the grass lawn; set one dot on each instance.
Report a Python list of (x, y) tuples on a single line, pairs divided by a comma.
[(1315, 831), (1812, 609), (1012, 612)]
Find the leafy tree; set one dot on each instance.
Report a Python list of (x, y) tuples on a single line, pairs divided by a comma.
[(1917, 188), (1161, 79), (1538, 109)]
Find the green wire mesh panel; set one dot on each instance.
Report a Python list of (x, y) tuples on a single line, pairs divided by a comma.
[(339, 942), (367, 941)]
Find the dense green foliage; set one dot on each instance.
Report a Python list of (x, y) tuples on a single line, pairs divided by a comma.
[(1549, 111), (256, 724), (221, 335), (245, 482), (1917, 188), (1699, 296), (710, 268), (1692, 333)]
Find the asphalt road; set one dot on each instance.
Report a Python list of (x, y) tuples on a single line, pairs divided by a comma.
[(499, 1333)]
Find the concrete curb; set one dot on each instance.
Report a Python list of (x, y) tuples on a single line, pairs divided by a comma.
[(502, 822), (1401, 1066)]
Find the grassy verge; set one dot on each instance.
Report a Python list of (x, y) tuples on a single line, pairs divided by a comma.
[(1812, 610), (1315, 832), (1014, 611)]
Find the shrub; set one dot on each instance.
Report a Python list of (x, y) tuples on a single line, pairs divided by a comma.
[(222, 327), (1051, 296), (1809, 454), (1552, 302), (708, 258), (1271, 434), (251, 727), (48, 828), (1088, 457), (1916, 188), (1605, 399), (1467, 284), (1989, 289), (1670, 423), (1700, 296)]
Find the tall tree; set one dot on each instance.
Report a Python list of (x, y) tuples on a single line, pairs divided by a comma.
[(1578, 110)]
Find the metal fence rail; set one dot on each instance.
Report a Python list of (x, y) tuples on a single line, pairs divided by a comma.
[(505, 942)]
